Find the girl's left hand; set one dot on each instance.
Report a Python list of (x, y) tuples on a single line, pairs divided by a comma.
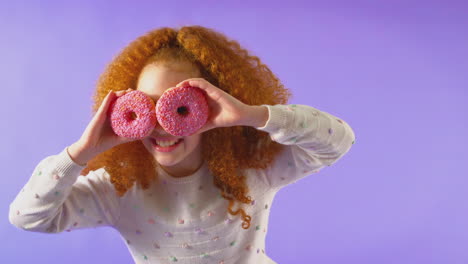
[(225, 110)]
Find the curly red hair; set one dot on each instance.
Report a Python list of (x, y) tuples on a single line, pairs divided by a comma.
[(225, 64)]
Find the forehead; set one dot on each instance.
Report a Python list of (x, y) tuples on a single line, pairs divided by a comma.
[(154, 79)]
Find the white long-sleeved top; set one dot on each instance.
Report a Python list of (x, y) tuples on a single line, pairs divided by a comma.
[(183, 220)]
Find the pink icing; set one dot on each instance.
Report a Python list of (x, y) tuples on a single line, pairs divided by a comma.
[(123, 122), (182, 111)]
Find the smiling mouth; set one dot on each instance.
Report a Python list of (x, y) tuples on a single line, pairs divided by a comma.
[(165, 148)]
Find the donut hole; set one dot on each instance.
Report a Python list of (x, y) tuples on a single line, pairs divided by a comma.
[(182, 110), (132, 115)]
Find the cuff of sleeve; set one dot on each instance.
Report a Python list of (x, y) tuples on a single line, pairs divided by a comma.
[(66, 165), (277, 119)]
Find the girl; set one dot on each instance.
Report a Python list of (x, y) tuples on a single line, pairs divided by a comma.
[(178, 206)]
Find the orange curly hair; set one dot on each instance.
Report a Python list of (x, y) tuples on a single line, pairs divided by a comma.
[(223, 63)]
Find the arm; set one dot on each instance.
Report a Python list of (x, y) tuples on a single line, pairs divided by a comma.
[(57, 198), (314, 139)]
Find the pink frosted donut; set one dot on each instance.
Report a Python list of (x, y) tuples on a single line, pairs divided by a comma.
[(182, 111), (133, 115)]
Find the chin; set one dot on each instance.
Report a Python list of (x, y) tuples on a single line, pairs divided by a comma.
[(166, 161)]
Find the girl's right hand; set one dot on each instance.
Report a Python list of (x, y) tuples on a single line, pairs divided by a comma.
[(98, 135)]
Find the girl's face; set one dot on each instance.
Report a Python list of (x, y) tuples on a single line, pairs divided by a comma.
[(186, 158)]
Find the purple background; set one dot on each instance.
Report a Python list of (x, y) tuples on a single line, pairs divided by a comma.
[(396, 71)]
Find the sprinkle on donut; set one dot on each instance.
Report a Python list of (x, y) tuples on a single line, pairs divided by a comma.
[(182, 111), (133, 115)]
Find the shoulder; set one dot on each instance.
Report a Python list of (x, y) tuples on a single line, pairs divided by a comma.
[(257, 181)]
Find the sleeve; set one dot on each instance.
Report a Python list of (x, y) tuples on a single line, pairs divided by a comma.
[(57, 198), (313, 138)]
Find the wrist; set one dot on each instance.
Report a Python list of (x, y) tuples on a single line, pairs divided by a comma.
[(79, 154), (256, 116)]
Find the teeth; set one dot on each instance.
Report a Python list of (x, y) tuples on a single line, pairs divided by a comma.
[(166, 143)]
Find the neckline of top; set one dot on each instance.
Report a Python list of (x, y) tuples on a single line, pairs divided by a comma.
[(167, 178)]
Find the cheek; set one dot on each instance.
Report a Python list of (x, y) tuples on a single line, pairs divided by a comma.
[(191, 143), (147, 144)]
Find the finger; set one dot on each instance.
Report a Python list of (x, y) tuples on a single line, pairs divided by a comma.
[(106, 100), (187, 81), (196, 83), (183, 82), (120, 93), (105, 105), (212, 91)]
